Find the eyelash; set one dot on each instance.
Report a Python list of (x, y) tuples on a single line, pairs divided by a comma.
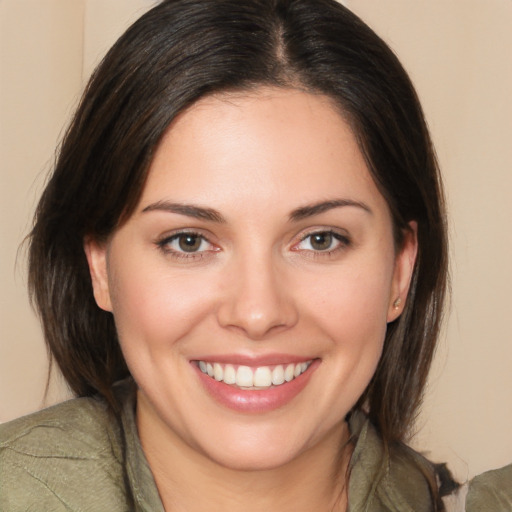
[(164, 245), (343, 242)]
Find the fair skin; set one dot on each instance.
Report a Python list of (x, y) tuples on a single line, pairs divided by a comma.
[(261, 242)]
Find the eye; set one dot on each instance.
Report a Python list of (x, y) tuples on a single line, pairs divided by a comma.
[(189, 242), (322, 241), (186, 244)]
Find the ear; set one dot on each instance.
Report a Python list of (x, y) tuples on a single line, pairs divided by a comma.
[(404, 267), (96, 254)]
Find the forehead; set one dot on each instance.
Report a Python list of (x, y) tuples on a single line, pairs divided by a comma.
[(278, 145)]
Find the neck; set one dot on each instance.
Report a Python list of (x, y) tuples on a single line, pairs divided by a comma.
[(190, 481)]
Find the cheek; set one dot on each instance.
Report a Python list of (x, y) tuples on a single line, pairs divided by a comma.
[(352, 315), (153, 309), (351, 310), (355, 299)]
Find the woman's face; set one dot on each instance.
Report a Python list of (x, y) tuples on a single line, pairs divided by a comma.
[(252, 286)]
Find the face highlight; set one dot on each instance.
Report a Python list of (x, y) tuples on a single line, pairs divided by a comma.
[(252, 286)]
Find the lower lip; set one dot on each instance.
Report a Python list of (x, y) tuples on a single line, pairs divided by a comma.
[(256, 400)]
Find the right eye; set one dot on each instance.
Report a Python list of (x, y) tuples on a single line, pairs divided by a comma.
[(186, 245)]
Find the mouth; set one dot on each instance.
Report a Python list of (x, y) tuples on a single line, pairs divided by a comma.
[(255, 386), (253, 378)]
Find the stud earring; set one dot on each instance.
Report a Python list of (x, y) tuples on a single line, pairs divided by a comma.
[(397, 303)]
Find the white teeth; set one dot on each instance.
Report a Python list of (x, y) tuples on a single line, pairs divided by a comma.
[(263, 377), (246, 377), (278, 375), (218, 372), (229, 375), (288, 373)]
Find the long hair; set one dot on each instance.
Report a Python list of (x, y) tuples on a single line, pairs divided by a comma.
[(183, 50)]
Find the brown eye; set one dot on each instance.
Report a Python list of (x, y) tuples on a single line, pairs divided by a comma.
[(321, 241), (188, 242), (185, 243)]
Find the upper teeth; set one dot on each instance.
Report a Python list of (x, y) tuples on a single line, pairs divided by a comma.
[(246, 377)]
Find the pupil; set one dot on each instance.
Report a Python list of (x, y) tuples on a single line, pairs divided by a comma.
[(189, 243), (321, 241)]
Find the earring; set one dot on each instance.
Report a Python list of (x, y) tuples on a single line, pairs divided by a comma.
[(397, 303)]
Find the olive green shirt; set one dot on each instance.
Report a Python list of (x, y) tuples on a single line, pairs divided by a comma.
[(78, 456), (491, 491)]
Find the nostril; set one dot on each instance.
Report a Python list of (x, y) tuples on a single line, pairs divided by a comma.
[(256, 323), (255, 301)]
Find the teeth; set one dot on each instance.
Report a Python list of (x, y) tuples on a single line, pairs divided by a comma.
[(229, 375), (278, 375), (246, 377), (263, 377), (218, 372), (288, 373)]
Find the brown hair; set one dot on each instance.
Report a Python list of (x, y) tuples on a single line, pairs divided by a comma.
[(179, 52)]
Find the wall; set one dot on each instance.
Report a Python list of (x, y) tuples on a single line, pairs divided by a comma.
[(41, 46), (457, 53)]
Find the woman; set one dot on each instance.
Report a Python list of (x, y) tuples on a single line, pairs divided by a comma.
[(240, 266)]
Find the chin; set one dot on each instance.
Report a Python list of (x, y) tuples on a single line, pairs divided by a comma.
[(256, 456), (270, 446)]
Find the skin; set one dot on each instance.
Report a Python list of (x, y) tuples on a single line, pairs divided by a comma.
[(257, 285)]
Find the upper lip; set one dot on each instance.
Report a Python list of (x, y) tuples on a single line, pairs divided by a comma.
[(254, 360)]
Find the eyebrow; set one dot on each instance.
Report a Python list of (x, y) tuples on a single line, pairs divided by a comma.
[(189, 210), (315, 209), (209, 214)]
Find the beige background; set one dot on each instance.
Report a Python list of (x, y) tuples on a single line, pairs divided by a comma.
[(458, 55)]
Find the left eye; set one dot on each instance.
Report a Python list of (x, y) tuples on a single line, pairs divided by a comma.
[(187, 243), (321, 241)]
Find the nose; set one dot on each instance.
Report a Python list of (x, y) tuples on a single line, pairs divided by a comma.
[(257, 299)]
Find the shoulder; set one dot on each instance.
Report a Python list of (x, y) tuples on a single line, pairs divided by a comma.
[(386, 480), (491, 491), (66, 457)]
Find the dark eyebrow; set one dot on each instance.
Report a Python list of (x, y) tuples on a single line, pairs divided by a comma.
[(317, 208), (190, 210)]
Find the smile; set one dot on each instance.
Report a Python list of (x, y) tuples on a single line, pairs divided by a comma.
[(258, 378)]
